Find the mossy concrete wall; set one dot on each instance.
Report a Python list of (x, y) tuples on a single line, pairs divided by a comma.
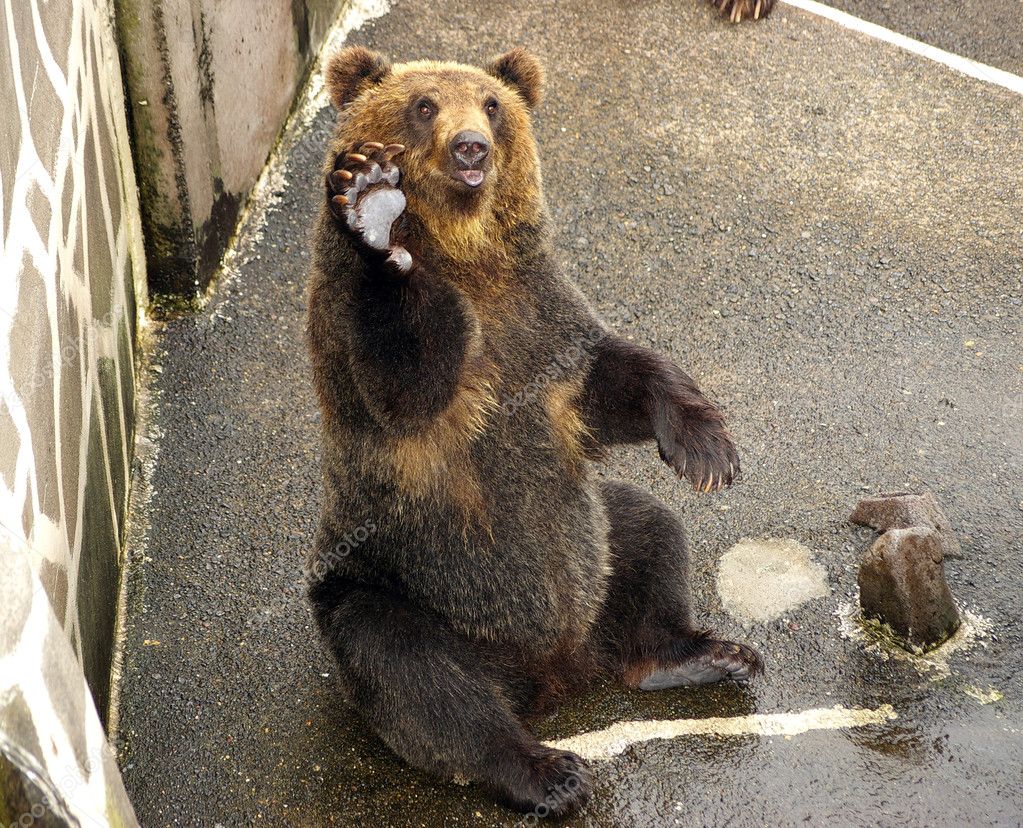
[(210, 84)]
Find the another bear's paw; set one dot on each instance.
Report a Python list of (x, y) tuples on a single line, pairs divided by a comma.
[(700, 450), (554, 783), (714, 661), (739, 10), (363, 195)]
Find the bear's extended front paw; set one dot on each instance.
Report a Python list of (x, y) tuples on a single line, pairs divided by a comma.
[(700, 450), (364, 197), (739, 10)]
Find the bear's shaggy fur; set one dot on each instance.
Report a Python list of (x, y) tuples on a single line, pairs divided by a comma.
[(466, 387)]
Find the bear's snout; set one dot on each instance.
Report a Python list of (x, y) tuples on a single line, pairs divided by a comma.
[(469, 148)]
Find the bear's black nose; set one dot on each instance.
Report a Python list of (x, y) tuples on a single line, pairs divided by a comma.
[(469, 148)]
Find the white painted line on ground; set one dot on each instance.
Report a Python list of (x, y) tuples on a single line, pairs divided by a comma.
[(605, 744), (972, 68)]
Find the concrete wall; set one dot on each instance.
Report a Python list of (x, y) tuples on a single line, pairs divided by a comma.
[(210, 85), (72, 282)]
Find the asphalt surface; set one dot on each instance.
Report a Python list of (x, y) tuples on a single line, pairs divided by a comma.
[(825, 231), (989, 32)]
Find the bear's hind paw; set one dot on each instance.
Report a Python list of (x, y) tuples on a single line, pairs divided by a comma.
[(550, 783), (713, 661)]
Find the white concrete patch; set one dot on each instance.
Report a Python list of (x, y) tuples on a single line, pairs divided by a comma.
[(972, 68), (762, 579), (972, 632), (605, 744)]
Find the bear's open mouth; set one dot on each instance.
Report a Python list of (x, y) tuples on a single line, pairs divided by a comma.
[(471, 177)]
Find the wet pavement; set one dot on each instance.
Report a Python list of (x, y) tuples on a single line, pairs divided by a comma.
[(825, 231)]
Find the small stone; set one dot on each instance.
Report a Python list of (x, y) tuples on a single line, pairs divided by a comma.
[(902, 584), (902, 510)]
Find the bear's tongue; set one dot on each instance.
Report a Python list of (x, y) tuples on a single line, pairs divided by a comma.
[(471, 177)]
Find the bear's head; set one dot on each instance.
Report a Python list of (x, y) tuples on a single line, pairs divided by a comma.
[(470, 164)]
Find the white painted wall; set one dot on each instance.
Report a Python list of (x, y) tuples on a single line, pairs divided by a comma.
[(72, 290)]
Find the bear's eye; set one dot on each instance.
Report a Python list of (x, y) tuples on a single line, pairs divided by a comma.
[(425, 110), (491, 107)]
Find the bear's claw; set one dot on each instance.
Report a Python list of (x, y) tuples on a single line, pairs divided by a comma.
[(701, 451), (739, 10), (364, 196)]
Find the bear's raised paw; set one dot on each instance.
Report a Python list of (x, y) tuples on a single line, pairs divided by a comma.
[(364, 197)]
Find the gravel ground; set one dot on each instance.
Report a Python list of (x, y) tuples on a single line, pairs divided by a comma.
[(833, 253)]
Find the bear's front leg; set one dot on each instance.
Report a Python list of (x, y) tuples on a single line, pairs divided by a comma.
[(633, 394), (409, 332)]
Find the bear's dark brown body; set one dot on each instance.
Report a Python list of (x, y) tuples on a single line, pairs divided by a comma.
[(466, 387)]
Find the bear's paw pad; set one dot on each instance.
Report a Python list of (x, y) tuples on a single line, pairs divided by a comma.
[(374, 214), (364, 194)]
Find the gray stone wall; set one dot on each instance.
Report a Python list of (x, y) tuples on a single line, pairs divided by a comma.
[(72, 286), (210, 82)]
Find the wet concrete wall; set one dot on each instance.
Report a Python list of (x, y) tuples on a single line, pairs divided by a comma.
[(72, 282), (210, 84)]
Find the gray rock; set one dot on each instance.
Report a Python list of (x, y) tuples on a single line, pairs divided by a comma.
[(902, 583), (902, 510)]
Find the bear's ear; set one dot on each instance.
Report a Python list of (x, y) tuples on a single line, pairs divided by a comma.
[(351, 70), (522, 72)]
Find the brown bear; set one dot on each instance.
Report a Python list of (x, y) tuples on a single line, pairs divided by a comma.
[(470, 567)]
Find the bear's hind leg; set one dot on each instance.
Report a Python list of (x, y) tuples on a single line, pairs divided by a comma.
[(437, 704), (646, 632)]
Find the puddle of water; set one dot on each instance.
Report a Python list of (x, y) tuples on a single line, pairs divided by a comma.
[(972, 632), (760, 580)]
